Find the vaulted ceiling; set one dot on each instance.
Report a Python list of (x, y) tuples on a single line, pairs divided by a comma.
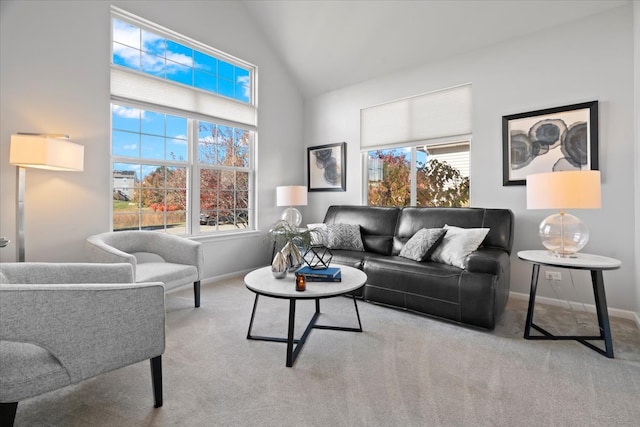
[(327, 45)]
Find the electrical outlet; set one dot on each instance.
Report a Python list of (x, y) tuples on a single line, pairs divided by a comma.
[(553, 275)]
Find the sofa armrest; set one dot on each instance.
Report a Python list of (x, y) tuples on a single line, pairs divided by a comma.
[(89, 328), (487, 260), (99, 251), (67, 273)]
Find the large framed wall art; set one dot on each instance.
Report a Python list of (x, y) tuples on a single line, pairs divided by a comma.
[(327, 167), (554, 139)]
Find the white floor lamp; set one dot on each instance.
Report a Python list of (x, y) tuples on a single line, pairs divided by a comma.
[(51, 152)]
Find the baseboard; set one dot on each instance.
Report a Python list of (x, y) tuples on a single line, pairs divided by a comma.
[(222, 277), (613, 312)]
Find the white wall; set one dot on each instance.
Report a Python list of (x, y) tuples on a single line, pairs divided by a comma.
[(587, 60), (54, 77)]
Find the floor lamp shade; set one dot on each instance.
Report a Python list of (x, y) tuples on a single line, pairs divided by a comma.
[(52, 152), (291, 195), (46, 152), (562, 233)]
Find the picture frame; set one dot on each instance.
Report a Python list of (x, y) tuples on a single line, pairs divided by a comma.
[(327, 167), (552, 139)]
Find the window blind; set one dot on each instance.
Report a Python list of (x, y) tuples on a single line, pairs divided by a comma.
[(151, 90), (441, 114)]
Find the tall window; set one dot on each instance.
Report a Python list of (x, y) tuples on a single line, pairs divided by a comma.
[(435, 175), (183, 130)]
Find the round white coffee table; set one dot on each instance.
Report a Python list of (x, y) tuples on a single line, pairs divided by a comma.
[(581, 261), (262, 282)]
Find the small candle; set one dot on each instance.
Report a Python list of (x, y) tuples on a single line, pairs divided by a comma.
[(301, 285)]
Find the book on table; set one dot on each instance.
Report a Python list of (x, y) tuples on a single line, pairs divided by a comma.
[(330, 274)]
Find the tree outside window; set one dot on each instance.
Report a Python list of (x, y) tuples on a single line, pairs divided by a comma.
[(437, 182)]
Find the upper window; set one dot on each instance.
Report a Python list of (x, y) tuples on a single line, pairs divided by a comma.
[(151, 53), (183, 131)]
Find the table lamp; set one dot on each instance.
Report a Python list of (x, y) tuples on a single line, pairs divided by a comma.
[(562, 233), (51, 152), (291, 195)]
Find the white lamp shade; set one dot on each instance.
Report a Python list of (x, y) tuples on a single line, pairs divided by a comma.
[(291, 195), (46, 152), (564, 190)]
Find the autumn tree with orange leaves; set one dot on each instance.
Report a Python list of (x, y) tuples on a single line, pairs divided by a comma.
[(438, 183)]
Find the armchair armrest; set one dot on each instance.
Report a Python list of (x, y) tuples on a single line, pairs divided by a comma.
[(99, 251), (67, 273), (89, 328)]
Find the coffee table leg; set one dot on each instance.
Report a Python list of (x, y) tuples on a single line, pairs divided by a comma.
[(292, 319), (355, 304), (253, 315)]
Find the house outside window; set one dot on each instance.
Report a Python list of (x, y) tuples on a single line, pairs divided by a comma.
[(183, 133)]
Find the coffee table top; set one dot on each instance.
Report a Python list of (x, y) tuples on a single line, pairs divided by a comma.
[(262, 282)]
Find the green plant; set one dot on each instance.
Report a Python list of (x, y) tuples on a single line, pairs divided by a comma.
[(282, 232)]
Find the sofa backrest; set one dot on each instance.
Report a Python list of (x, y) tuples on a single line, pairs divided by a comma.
[(377, 224), (499, 221), (385, 230)]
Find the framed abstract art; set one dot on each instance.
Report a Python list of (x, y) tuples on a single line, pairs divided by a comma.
[(327, 167), (554, 139)]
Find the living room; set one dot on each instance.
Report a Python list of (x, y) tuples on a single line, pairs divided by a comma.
[(55, 80)]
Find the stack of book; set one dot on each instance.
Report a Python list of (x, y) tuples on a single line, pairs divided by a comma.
[(330, 274)]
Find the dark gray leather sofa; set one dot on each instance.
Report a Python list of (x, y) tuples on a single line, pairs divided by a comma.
[(473, 296)]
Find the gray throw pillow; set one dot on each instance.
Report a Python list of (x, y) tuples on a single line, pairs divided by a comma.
[(422, 244), (344, 236)]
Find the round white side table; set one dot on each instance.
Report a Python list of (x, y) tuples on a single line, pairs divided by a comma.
[(581, 261)]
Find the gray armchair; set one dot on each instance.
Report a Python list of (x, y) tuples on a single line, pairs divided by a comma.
[(64, 323), (155, 257)]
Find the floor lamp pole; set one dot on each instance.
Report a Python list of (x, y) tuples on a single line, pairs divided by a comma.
[(20, 213)]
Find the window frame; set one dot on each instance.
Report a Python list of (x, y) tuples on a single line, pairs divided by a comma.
[(413, 147)]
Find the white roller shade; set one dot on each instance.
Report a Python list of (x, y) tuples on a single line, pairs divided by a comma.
[(444, 113), (139, 87)]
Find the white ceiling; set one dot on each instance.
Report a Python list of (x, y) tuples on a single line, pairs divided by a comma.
[(328, 45)]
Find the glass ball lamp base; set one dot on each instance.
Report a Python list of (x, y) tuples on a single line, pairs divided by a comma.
[(563, 234), (292, 216)]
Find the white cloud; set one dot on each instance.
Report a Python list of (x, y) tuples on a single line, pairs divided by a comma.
[(127, 112), (126, 34), (131, 147)]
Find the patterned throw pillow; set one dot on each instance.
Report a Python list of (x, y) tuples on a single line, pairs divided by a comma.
[(422, 244), (344, 236), (457, 244)]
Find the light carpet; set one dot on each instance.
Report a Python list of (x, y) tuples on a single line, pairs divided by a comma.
[(403, 370)]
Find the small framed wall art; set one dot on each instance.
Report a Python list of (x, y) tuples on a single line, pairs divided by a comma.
[(327, 167), (554, 139)]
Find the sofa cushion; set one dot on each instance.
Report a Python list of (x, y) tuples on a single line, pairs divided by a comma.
[(500, 223), (422, 244), (344, 236), (457, 244), (172, 275), (377, 224)]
